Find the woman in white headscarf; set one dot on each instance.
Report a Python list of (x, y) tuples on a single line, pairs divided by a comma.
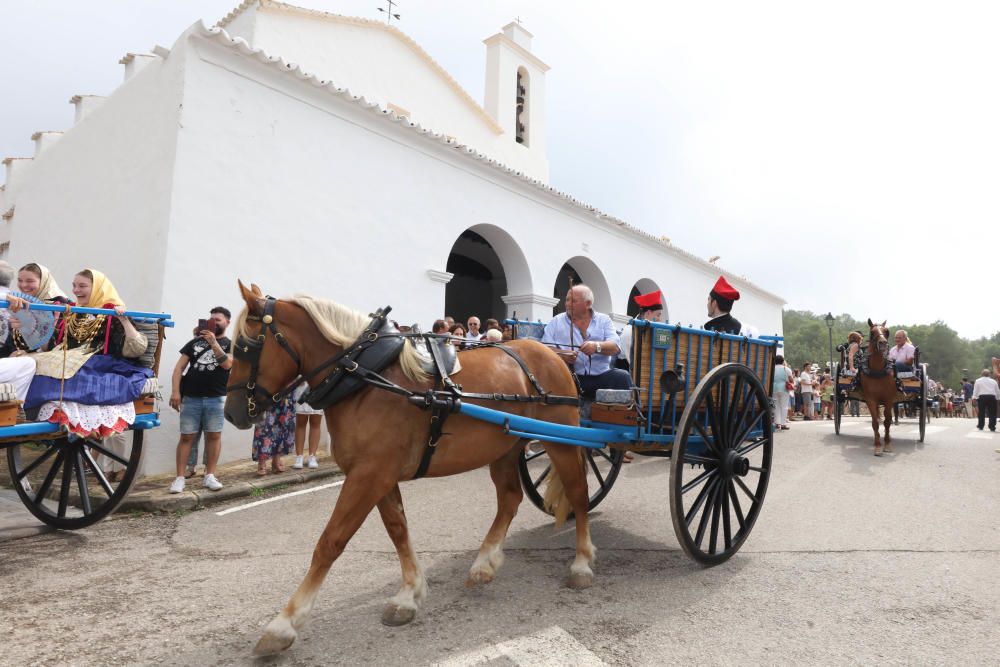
[(35, 280)]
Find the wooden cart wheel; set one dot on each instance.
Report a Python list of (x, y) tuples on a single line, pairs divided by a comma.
[(922, 406), (603, 466), (721, 463), (61, 483), (838, 398)]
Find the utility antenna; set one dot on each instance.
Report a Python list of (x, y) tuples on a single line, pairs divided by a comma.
[(389, 14)]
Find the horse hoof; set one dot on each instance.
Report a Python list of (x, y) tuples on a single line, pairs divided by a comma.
[(272, 644), (478, 578), (578, 581), (878, 452), (887, 448), (394, 615)]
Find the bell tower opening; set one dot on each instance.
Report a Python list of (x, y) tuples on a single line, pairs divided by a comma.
[(522, 111)]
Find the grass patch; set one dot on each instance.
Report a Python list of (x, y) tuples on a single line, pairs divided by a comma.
[(259, 493)]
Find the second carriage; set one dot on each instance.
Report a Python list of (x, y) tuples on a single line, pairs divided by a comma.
[(701, 400), (912, 391)]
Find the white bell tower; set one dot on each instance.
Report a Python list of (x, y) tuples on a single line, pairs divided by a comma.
[(515, 91)]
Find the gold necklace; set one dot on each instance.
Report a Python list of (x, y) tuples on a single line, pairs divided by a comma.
[(83, 330)]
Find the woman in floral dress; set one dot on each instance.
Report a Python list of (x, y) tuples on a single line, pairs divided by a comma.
[(275, 436)]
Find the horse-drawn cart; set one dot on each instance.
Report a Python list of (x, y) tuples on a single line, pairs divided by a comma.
[(701, 400), (911, 390), (56, 473)]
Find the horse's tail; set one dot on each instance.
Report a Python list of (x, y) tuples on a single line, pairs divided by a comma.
[(556, 501)]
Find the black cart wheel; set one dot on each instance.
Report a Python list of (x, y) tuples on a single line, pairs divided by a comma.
[(721, 463), (603, 466), (62, 482), (922, 406), (838, 399)]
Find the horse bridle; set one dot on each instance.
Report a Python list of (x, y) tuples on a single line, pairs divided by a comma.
[(873, 342), (249, 350)]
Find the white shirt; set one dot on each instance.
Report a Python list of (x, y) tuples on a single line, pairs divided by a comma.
[(471, 336), (985, 386), (904, 354), (625, 344), (806, 382), (601, 329)]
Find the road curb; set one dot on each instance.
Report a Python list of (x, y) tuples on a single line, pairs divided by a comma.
[(161, 500)]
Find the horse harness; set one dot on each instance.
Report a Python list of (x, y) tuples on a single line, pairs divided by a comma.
[(888, 368), (360, 364)]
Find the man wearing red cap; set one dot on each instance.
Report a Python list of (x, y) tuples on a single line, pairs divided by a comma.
[(651, 310), (720, 303)]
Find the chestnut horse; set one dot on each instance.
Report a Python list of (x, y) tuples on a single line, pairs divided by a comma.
[(878, 382), (379, 439)]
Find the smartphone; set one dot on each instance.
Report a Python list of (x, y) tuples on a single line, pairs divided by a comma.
[(206, 325)]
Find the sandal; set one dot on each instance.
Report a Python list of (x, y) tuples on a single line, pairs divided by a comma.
[(261, 469), (628, 458), (277, 466)]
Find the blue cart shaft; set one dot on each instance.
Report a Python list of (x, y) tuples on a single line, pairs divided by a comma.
[(160, 318), (526, 427)]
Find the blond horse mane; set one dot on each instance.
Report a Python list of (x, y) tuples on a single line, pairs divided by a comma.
[(341, 326)]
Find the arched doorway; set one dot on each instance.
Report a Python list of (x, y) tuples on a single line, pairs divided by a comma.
[(487, 265), (582, 270), (644, 286)]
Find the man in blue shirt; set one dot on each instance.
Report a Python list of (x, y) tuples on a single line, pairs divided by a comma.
[(587, 342)]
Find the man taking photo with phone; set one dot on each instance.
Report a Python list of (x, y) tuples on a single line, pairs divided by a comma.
[(199, 394)]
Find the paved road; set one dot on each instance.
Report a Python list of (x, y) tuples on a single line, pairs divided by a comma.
[(855, 559)]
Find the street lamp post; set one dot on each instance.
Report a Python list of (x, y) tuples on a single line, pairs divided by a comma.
[(830, 319)]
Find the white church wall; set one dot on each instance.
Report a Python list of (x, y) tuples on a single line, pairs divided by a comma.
[(373, 62), (376, 62), (353, 179), (99, 197)]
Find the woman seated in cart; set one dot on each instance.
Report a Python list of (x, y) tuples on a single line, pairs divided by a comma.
[(34, 280), (854, 353), (15, 370), (87, 382)]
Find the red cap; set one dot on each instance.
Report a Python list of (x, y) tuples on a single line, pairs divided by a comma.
[(651, 301), (724, 290)]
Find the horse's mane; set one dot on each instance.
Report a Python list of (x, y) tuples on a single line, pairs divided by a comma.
[(341, 326)]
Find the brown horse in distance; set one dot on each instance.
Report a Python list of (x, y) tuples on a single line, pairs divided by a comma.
[(878, 382), (378, 440)]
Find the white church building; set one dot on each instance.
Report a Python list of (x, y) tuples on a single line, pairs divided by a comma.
[(312, 152)]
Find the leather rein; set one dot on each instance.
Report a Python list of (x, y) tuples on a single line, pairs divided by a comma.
[(346, 364), (865, 369)]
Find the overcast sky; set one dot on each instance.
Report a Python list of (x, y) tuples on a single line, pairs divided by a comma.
[(843, 155)]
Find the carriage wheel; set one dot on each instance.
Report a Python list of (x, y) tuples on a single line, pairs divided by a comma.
[(838, 406), (61, 482), (923, 401), (721, 463), (603, 466)]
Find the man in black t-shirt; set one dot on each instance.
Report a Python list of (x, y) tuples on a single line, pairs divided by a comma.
[(200, 395)]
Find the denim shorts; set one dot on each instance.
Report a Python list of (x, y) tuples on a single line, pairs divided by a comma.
[(202, 413)]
